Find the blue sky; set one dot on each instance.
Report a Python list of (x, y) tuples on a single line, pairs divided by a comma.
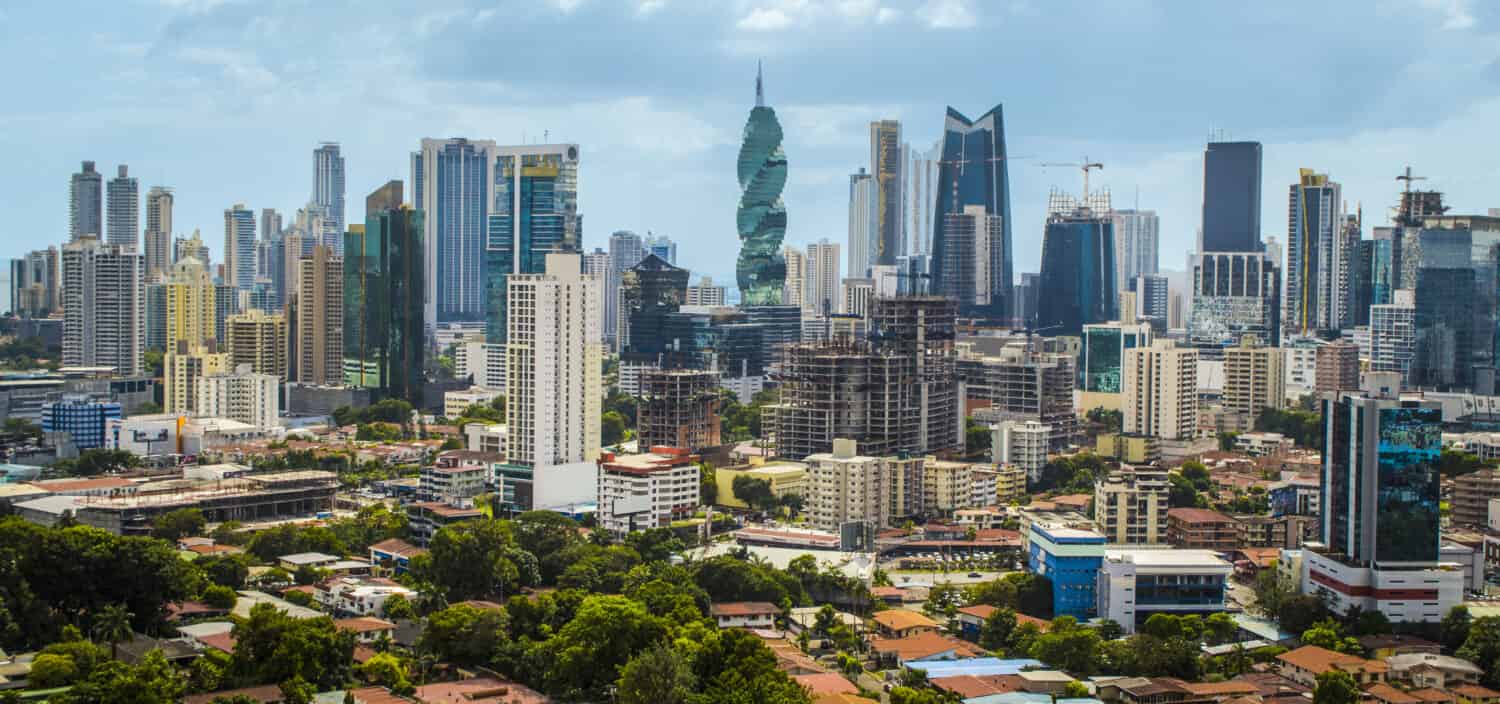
[(224, 101)]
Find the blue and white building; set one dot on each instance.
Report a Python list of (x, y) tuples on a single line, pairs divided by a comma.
[(1133, 584), (81, 417), (1070, 558)]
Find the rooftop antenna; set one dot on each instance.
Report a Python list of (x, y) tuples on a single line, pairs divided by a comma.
[(760, 94)]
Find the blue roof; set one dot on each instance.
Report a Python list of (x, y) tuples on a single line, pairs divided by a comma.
[(1012, 698), (978, 667)]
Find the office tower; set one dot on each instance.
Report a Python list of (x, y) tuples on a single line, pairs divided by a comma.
[(1022, 444), (966, 276), (86, 203), (1131, 506), (535, 214), (662, 481), (103, 300), (453, 184), (885, 167), (553, 362), (648, 291), (705, 293), (257, 339), (662, 246), (862, 226), (1231, 198), (81, 417), (384, 332), (626, 249), (973, 172), (240, 394), (1337, 367), (239, 247), (1137, 233), (1161, 391), (190, 305), (1104, 348), (822, 296), (1235, 294), (794, 289), (123, 203), (183, 368), (1254, 380), (679, 408), (191, 247), (1315, 220), (1439, 261), (1028, 299), (34, 282), (761, 217), (227, 300), (1351, 274), (158, 241), (320, 319), (919, 193), (328, 193), (1151, 295), (270, 223), (1078, 265), (1379, 495)]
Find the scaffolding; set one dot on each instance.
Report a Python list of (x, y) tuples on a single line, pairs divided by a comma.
[(679, 408)]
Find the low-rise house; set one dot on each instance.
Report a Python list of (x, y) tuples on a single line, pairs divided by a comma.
[(1385, 645), (426, 518), (1432, 670), (826, 683), (805, 618), (480, 690), (924, 646), (366, 629), (360, 596), (317, 560), (1304, 664), (1475, 694), (744, 614), (395, 553), (900, 623), (1383, 693), (1045, 681)]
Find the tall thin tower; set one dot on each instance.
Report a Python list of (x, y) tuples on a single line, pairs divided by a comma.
[(328, 194), (761, 218), (124, 205), (85, 203)]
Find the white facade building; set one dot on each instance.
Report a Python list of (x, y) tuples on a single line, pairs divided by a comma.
[(1021, 444), (241, 395), (458, 401), (794, 288), (862, 221), (1160, 391), (822, 296), (649, 490), (360, 596), (104, 306), (1136, 237), (1393, 334), (844, 486), (1134, 583), (705, 293)]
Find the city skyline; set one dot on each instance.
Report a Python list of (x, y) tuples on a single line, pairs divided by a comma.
[(826, 108)]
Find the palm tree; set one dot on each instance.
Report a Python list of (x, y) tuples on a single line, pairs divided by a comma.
[(112, 624)]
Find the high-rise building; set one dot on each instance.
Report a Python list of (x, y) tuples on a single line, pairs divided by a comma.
[(679, 408), (862, 228), (191, 247), (239, 247), (1231, 198), (123, 203), (885, 166), (103, 301), (761, 217), (794, 289), (158, 239), (1351, 278), (1022, 444), (849, 484), (34, 280), (973, 172), (319, 320), (967, 277), (86, 203), (822, 296), (626, 249), (190, 305), (1137, 237), (663, 247), (240, 394), (554, 359), (1393, 335), (1152, 296), (183, 368), (1235, 294), (649, 291), (1103, 358), (257, 339), (1315, 221), (1254, 380), (453, 184), (1078, 265), (535, 213), (1337, 365), (328, 193), (919, 188), (384, 331), (705, 294), (1131, 506), (1021, 382), (1439, 260), (1161, 391), (650, 490), (270, 223)]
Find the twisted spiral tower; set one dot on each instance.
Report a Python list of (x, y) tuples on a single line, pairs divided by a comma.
[(761, 218)]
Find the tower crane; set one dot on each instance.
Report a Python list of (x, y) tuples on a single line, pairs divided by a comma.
[(1086, 166)]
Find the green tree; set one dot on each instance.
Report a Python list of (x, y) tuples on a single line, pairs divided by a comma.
[(153, 681), (297, 690), (658, 675), (1482, 647), (397, 607), (1456, 627), (1329, 635), (977, 438), (227, 570), (271, 646), (1336, 687), (944, 600), (612, 428), (1271, 591), (478, 559), (754, 491), (1226, 441), (112, 625), (1299, 613), (219, 596), (180, 523), (997, 629), (1220, 628), (52, 670), (1076, 690), (464, 634), (734, 666), (592, 649), (386, 670), (1075, 649)]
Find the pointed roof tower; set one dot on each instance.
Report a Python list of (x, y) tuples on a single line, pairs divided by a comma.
[(760, 94)]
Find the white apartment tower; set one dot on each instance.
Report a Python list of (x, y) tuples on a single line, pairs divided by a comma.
[(239, 247), (1254, 379), (554, 351), (123, 203), (328, 194), (158, 244), (862, 221), (794, 288), (705, 293), (1160, 391), (1393, 334), (243, 395), (822, 296), (1021, 444), (1137, 234), (104, 303)]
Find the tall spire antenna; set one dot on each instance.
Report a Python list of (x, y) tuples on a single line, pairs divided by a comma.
[(760, 94)]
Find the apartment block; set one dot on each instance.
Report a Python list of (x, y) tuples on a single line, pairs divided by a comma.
[(1202, 529), (1130, 506), (647, 490)]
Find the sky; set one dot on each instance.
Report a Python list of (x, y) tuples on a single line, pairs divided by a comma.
[(224, 101)]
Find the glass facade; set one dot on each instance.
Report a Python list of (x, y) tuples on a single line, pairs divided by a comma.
[(81, 418), (535, 211), (648, 292), (1078, 275), (384, 316), (761, 218), (1102, 350), (1180, 590), (1406, 501), (973, 172), (1231, 197)]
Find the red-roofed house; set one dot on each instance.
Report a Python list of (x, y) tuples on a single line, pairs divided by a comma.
[(1304, 664), (744, 614), (826, 683)]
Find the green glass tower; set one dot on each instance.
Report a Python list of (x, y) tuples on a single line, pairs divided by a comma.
[(761, 270), (384, 331)]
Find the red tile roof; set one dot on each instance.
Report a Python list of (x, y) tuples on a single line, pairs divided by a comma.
[(901, 619), (924, 645), (1319, 660), (397, 546), (743, 608), (826, 683), (364, 624), (1198, 515), (970, 686), (480, 690)]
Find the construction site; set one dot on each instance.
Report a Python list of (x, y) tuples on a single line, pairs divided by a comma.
[(679, 408), (1022, 383), (250, 498)]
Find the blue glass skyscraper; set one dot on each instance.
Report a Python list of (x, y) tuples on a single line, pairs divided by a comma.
[(761, 218), (973, 187), (1231, 197), (1078, 268), (452, 185), (534, 212)]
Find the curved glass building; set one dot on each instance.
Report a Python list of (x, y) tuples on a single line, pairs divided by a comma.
[(761, 220)]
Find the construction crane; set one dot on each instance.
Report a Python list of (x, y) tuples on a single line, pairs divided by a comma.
[(1408, 178), (1087, 166)]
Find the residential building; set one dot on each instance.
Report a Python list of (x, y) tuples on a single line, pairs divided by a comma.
[(394, 553), (973, 178), (242, 395), (744, 614), (1235, 294), (1135, 584), (794, 288), (457, 401), (258, 339), (1433, 670), (454, 185), (1153, 297), (319, 320), (1078, 265), (1128, 448), (190, 305), (761, 216), (885, 167), (1202, 529), (1253, 382), (846, 487), (239, 247), (1160, 391), (1304, 664), (705, 294), (1010, 483), (663, 247), (190, 247), (455, 482), (1137, 236), (183, 369), (1393, 335), (123, 204), (86, 203), (1287, 532), (784, 479), (1337, 367), (822, 295), (626, 249), (1258, 444), (1231, 198), (103, 301), (919, 193), (1315, 220), (359, 596), (1130, 506), (81, 417), (678, 408), (328, 194), (1070, 559), (1021, 444), (948, 486), (647, 490), (1472, 493), (862, 221), (384, 345), (1300, 365), (34, 284), (158, 237), (1019, 382)]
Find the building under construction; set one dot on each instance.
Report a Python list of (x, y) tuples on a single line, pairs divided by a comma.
[(1021, 382), (895, 392), (248, 498), (678, 408)]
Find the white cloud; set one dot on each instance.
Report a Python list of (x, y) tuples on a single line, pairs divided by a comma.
[(649, 7), (192, 6), (948, 14), (765, 19), (241, 67), (1457, 14), (567, 6)]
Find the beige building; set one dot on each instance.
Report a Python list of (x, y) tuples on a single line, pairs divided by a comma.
[(1253, 380), (1130, 506), (183, 369), (1161, 391), (190, 314), (257, 338), (783, 477), (319, 339), (844, 486), (1010, 483)]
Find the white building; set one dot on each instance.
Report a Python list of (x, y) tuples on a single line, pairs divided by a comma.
[(1130, 506), (857, 295), (1423, 593), (241, 395), (1393, 334), (486, 437), (457, 401), (844, 486), (554, 359), (1021, 444), (794, 288), (144, 435), (482, 363), (822, 297), (648, 490), (862, 221), (359, 596), (454, 281), (1136, 237), (1135, 583), (1254, 379), (705, 293), (104, 306), (1160, 396), (1300, 366)]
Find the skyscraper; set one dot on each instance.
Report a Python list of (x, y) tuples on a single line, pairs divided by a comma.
[(1136, 238), (1315, 221), (862, 214), (794, 289), (86, 203), (885, 165), (1235, 294), (535, 213), (1078, 265), (158, 243), (919, 174), (328, 193), (1160, 391), (1231, 197), (123, 201), (822, 296), (384, 333), (319, 317), (973, 172), (648, 292), (626, 249), (34, 284), (103, 291), (257, 339), (966, 275), (239, 247), (190, 247), (761, 218), (453, 185), (270, 223), (1152, 294), (190, 305), (662, 246)]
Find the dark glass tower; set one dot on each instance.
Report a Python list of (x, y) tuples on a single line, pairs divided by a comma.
[(1231, 197), (648, 292), (1380, 479), (384, 322), (973, 174), (1078, 272), (761, 218), (535, 212)]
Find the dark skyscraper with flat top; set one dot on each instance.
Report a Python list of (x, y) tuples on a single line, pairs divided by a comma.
[(972, 173), (1231, 197)]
